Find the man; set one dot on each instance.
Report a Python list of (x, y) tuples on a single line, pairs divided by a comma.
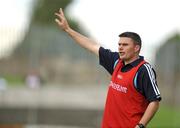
[(133, 96)]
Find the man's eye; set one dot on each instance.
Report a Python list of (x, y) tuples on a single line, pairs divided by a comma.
[(125, 44)]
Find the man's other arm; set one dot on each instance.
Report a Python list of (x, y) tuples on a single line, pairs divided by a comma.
[(80, 39), (149, 113)]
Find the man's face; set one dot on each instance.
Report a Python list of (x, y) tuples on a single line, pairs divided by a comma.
[(128, 50)]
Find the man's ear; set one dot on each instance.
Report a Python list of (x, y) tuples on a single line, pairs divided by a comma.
[(137, 48)]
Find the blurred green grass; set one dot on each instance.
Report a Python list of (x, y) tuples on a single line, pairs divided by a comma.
[(166, 117), (13, 80)]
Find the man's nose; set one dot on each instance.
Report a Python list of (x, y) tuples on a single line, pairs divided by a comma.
[(120, 47)]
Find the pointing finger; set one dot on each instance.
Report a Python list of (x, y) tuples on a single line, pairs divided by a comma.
[(61, 11)]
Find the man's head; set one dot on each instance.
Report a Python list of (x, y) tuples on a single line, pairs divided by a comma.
[(134, 36), (129, 46)]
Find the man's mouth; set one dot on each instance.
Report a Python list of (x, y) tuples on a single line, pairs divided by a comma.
[(121, 53)]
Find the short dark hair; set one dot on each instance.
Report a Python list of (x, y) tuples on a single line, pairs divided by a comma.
[(134, 36)]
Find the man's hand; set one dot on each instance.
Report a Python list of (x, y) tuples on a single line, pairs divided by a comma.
[(61, 20), (80, 39)]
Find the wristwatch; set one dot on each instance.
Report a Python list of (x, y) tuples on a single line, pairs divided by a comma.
[(141, 126)]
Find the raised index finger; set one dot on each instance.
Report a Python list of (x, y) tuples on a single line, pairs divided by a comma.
[(61, 11)]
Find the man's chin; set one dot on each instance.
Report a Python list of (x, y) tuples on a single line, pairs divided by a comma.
[(121, 57)]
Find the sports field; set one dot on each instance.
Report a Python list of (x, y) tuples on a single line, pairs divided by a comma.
[(166, 117)]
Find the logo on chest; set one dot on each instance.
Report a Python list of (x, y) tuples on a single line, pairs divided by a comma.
[(120, 77), (118, 87)]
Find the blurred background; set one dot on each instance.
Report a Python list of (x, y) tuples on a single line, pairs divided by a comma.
[(46, 80)]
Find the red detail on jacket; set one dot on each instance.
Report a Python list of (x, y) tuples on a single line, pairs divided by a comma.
[(124, 104)]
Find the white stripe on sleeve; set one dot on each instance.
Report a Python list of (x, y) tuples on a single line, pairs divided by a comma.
[(152, 78)]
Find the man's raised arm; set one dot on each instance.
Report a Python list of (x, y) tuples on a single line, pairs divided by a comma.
[(79, 38)]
